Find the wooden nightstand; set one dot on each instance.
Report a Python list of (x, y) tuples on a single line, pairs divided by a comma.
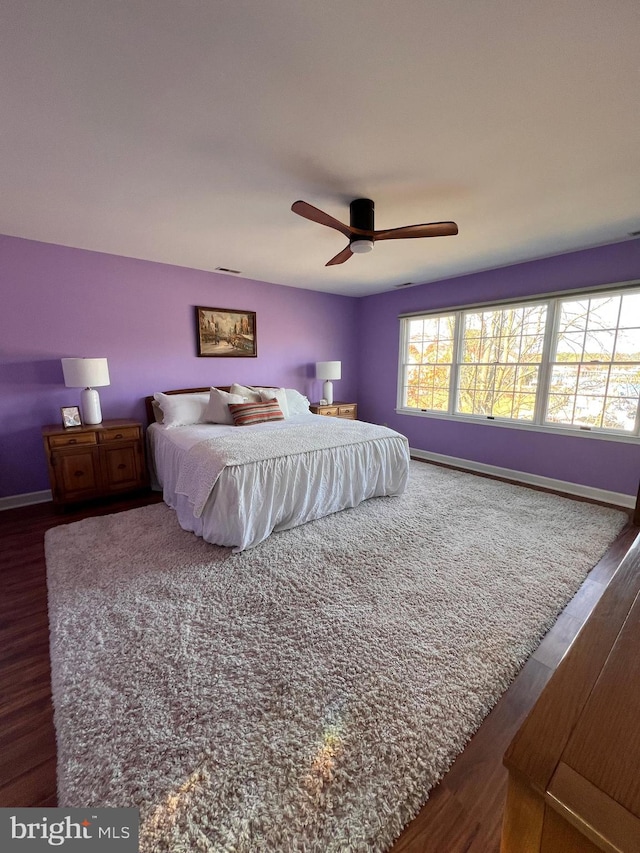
[(92, 461), (339, 409)]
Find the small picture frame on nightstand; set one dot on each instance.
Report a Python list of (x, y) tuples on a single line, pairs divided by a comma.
[(70, 416)]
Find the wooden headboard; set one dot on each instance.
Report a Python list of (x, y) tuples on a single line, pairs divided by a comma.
[(148, 401)]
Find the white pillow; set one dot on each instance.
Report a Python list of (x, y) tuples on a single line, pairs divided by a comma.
[(217, 412), (157, 411), (297, 403), (248, 393), (278, 394), (182, 409)]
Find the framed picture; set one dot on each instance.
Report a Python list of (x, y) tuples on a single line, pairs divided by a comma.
[(226, 333), (70, 416)]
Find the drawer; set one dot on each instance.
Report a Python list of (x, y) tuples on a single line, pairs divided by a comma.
[(347, 411), (332, 411), (119, 434), (70, 440)]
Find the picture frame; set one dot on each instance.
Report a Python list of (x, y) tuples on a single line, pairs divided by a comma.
[(70, 416), (226, 333)]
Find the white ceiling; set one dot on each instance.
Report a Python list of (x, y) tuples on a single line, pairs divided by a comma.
[(182, 130)]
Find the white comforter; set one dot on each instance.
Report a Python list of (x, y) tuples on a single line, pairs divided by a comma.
[(234, 486)]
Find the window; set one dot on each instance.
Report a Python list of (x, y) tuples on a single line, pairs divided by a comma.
[(429, 361), (501, 352), (571, 362), (595, 368)]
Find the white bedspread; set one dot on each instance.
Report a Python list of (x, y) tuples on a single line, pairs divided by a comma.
[(234, 486)]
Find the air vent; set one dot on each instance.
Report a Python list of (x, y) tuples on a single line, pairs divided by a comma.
[(404, 284), (634, 233), (226, 269)]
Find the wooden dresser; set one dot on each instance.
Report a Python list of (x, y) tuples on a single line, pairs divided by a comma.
[(574, 766), (94, 461), (339, 409)]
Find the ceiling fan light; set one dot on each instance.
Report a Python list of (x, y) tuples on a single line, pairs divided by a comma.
[(361, 246)]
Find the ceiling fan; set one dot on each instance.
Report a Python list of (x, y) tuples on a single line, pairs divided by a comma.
[(360, 230)]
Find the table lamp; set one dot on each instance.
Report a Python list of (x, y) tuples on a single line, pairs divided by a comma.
[(328, 370), (87, 373)]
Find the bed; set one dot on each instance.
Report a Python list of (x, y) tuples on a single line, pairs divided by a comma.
[(235, 485)]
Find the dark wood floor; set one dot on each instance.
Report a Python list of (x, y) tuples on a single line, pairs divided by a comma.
[(463, 813)]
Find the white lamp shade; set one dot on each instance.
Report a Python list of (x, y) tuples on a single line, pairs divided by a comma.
[(85, 372), (328, 369)]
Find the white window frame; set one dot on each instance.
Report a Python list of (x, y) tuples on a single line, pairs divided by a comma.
[(538, 424)]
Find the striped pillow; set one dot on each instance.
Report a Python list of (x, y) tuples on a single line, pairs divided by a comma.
[(244, 414)]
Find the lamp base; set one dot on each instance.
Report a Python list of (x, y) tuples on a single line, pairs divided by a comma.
[(327, 391), (91, 411)]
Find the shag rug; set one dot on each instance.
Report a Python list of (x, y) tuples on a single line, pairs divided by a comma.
[(304, 695)]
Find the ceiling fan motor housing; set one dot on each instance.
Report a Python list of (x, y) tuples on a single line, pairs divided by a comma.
[(361, 214)]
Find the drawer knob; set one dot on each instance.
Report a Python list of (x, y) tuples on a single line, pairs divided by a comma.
[(119, 435), (73, 441), (121, 466), (78, 474)]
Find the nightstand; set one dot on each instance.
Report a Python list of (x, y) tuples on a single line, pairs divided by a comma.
[(339, 409), (93, 461)]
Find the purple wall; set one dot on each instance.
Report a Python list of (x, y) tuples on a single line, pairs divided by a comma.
[(593, 462), (58, 302)]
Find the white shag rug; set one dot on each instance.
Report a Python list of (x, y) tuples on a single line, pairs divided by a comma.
[(304, 695)]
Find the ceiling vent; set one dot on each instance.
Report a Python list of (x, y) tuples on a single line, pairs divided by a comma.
[(226, 269)]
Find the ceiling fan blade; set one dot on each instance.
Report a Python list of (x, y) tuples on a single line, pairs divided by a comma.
[(341, 257), (428, 229), (308, 211)]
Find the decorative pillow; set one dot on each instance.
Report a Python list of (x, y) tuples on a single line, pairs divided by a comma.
[(279, 394), (217, 412), (246, 392), (245, 414), (182, 409), (297, 403)]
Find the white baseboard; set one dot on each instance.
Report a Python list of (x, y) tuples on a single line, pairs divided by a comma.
[(590, 492), (28, 498)]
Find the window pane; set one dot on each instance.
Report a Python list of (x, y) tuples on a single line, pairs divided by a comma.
[(598, 346), (413, 375), (505, 378), (560, 408), (628, 345), (630, 312), (445, 350), (534, 318), (467, 376), (524, 406), (532, 347), (570, 346), (502, 405), (414, 353), (593, 380), (624, 382), (603, 313), (564, 378), (588, 411), (621, 413), (415, 329), (573, 316)]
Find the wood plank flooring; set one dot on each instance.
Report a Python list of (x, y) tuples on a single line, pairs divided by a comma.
[(463, 813)]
